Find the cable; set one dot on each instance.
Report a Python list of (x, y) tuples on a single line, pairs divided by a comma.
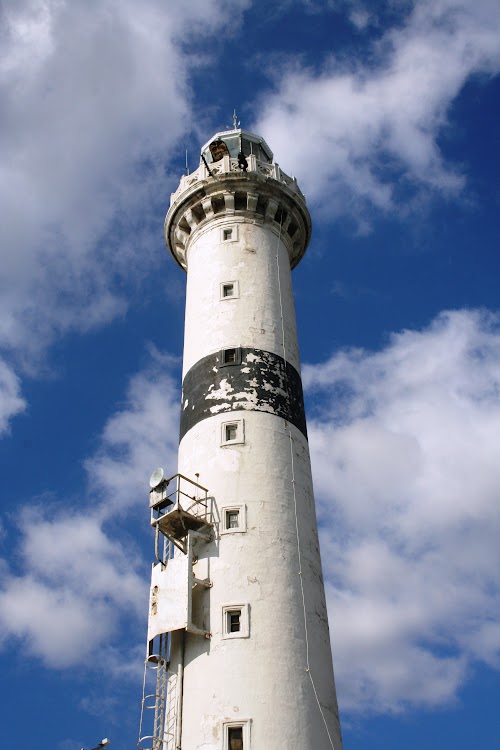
[(308, 668)]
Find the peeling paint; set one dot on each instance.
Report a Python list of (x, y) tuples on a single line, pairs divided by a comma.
[(252, 358), (262, 382), (223, 392), (218, 408)]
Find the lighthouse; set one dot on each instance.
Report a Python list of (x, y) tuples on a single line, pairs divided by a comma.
[(239, 653)]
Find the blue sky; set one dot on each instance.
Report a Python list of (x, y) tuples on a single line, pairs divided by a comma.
[(387, 113)]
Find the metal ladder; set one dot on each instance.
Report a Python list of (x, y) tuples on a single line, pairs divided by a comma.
[(174, 525), (171, 713), (156, 677)]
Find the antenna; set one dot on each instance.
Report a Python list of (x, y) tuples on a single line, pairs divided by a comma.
[(236, 122), (187, 165)]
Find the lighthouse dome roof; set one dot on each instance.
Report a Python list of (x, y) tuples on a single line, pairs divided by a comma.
[(234, 142)]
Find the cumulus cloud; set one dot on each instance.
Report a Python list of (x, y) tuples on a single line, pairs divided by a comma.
[(407, 475), (137, 439), (79, 581), (95, 97), (369, 130), (11, 401)]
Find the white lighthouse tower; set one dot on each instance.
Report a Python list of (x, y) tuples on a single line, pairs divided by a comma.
[(238, 640)]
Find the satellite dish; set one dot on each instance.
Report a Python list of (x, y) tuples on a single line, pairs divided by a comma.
[(156, 478)]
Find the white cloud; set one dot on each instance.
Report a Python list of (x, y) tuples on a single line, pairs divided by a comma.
[(95, 97), (137, 439), (369, 131), (11, 401), (74, 584), (80, 578), (405, 460), (360, 18)]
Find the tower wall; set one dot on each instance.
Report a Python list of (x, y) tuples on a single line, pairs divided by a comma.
[(257, 260), (274, 675)]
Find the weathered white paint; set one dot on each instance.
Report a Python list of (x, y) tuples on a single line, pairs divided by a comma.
[(168, 599), (274, 567), (254, 318), (263, 677)]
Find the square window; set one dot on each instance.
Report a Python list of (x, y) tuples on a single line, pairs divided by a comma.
[(229, 290), (233, 519), (229, 233), (235, 621), (237, 735), (235, 738), (233, 432), (231, 356)]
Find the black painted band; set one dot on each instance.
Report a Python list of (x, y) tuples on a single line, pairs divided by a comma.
[(256, 381)]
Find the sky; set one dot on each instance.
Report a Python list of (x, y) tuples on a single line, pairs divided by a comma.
[(387, 113)]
